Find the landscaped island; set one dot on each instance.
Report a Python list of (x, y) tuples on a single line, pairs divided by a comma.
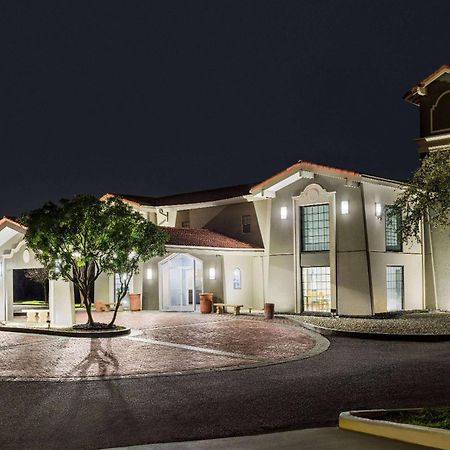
[(411, 323)]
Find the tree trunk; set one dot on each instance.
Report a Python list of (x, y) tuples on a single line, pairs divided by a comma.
[(87, 304), (110, 324)]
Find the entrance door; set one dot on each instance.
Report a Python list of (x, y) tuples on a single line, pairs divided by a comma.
[(180, 282)]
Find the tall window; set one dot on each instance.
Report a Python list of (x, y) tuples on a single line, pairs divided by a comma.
[(392, 225), (246, 224), (315, 222), (237, 278), (316, 289), (394, 287)]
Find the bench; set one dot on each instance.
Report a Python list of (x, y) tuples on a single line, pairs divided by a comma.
[(222, 307), (100, 306), (37, 315)]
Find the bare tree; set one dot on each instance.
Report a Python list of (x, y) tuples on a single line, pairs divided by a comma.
[(39, 276)]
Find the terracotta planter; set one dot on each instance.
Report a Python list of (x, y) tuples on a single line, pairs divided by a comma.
[(269, 310), (206, 302), (99, 305), (135, 302)]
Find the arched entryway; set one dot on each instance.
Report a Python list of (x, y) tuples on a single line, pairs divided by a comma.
[(180, 282)]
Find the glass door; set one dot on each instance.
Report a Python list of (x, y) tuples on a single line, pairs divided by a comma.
[(179, 286)]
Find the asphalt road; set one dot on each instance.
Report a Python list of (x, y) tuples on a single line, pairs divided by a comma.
[(352, 374)]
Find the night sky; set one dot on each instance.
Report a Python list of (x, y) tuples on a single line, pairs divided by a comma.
[(159, 97)]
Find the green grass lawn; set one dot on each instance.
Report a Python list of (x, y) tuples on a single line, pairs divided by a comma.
[(428, 417), (30, 302)]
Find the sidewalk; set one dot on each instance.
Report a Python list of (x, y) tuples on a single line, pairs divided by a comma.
[(311, 439)]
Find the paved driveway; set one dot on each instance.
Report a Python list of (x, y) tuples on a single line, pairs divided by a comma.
[(351, 374), (160, 343)]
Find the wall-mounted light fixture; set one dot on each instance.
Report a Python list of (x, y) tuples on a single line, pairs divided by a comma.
[(212, 273), (149, 274), (345, 207), (378, 210), (283, 212)]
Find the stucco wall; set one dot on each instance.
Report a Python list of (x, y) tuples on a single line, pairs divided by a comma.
[(441, 252), (352, 255), (281, 283), (246, 295), (353, 284), (227, 220)]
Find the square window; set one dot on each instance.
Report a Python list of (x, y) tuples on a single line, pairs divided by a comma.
[(246, 224)]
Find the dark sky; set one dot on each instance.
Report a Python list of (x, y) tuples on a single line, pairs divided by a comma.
[(157, 97)]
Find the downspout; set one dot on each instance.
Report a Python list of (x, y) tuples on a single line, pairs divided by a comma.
[(422, 249), (432, 265), (366, 239)]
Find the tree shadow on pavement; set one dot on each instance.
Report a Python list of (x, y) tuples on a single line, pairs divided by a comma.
[(100, 357)]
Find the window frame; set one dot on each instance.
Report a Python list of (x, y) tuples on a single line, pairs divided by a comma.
[(326, 243), (237, 281), (398, 248), (395, 266), (246, 223), (328, 289)]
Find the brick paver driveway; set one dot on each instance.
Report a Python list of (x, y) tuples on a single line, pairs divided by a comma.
[(160, 343)]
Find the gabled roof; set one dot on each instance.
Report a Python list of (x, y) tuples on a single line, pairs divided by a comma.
[(419, 90), (6, 221), (190, 237), (210, 195), (296, 168)]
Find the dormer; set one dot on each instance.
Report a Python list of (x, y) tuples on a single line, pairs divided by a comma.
[(432, 96)]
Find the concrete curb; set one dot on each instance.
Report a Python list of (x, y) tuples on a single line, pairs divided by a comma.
[(365, 421), (381, 336), (78, 334)]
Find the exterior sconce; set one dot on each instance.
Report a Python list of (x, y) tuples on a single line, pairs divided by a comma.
[(378, 210), (149, 274), (283, 212), (344, 207), (212, 273)]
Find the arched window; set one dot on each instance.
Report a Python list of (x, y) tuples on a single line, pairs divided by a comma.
[(440, 113), (237, 278)]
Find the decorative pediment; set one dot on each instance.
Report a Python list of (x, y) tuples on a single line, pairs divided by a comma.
[(313, 194)]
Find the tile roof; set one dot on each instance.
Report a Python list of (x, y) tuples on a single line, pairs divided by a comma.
[(191, 237), (300, 165), (188, 197), (414, 94)]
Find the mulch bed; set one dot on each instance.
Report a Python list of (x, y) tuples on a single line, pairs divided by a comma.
[(416, 323)]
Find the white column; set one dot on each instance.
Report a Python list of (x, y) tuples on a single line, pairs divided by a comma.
[(61, 304), (3, 315)]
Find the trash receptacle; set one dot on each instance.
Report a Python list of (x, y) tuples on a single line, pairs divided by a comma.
[(206, 302), (269, 310)]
